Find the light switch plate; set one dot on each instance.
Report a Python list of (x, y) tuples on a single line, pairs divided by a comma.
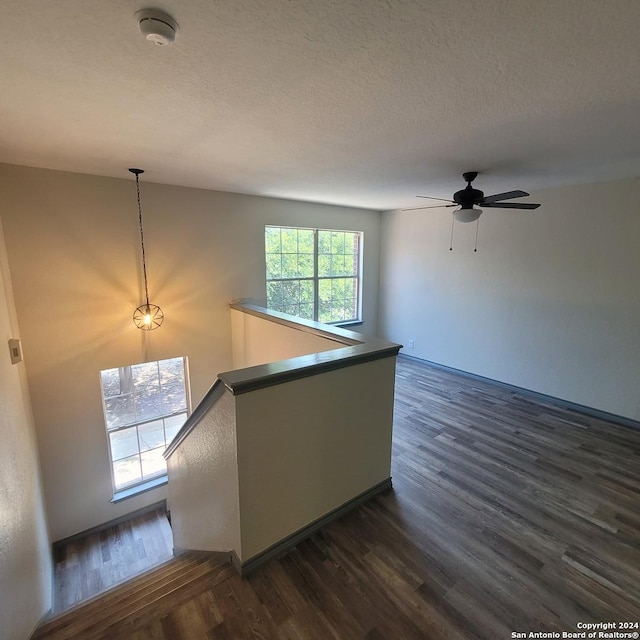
[(15, 349)]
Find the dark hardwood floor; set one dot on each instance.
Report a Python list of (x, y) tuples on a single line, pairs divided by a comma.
[(89, 566), (507, 514)]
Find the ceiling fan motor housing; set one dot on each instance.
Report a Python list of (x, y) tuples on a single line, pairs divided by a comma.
[(468, 196)]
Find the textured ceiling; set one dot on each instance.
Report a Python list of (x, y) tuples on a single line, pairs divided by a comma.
[(356, 102)]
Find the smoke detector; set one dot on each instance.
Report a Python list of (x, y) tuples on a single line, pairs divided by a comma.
[(156, 26)]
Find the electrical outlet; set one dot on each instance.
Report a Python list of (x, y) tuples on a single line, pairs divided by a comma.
[(411, 344)]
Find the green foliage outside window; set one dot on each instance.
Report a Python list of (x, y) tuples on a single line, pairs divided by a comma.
[(313, 273)]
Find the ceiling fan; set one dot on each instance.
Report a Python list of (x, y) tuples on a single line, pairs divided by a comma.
[(468, 197)]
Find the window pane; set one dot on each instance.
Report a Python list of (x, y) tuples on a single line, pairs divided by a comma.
[(171, 370), (324, 265), (148, 396), (119, 411), (305, 241), (338, 299), (110, 383), (148, 404), (337, 242), (290, 293), (289, 265), (173, 398), (151, 435), (306, 291), (272, 240), (126, 471), (324, 314), (172, 426), (324, 242), (351, 309), (289, 238), (153, 462), (274, 266), (274, 295), (123, 443), (337, 289), (337, 266), (337, 311), (144, 374), (306, 311), (305, 265), (324, 290)]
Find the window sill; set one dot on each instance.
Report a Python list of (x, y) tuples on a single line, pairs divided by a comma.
[(348, 323), (124, 494)]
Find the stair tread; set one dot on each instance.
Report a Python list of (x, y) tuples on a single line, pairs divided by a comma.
[(123, 589), (123, 600), (126, 625)]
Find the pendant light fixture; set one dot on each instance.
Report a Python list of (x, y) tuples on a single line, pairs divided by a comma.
[(147, 316)]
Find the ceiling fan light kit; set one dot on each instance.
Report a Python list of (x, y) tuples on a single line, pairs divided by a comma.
[(467, 215)]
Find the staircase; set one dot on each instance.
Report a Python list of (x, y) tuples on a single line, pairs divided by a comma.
[(119, 612)]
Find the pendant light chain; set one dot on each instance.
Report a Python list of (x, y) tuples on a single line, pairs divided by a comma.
[(147, 316), (144, 261)]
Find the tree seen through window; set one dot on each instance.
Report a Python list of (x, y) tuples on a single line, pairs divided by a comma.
[(144, 407), (313, 273)]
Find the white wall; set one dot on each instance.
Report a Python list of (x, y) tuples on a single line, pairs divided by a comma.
[(258, 341), (25, 559), (73, 248), (550, 302), (203, 492), (330, 438)]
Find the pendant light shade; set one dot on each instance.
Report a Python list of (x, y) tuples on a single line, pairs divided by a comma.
[(147, 316)]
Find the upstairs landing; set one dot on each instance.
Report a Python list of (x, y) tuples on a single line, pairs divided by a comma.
[(89, 565)]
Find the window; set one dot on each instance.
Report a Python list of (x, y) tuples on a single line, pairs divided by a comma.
[(314, 273), (144, 407)]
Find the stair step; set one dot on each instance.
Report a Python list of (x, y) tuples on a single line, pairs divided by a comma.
[(123, 628), (123, 590), (91, 618)]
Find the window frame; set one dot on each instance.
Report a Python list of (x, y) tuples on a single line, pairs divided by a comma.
[(151, 481), (316, 278)]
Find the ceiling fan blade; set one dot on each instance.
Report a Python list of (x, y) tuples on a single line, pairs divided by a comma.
[(433, 206), (432, 198), (503, 196), (509, 205)]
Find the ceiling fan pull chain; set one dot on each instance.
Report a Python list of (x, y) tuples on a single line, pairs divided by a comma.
[(453, 221), (475, 248)]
